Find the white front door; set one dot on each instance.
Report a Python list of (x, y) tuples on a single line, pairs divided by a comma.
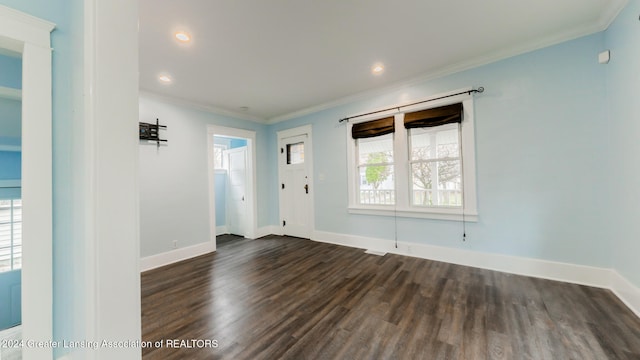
[(295, 185), (236, 160)]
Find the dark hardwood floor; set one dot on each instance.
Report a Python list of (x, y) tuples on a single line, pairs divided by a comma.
[(289, 298)]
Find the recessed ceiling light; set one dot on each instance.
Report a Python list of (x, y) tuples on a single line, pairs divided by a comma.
[(183, 36), (165, 79), (377, 69)]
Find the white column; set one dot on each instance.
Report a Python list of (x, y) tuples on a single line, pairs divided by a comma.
[(37, 288), (112, 244)]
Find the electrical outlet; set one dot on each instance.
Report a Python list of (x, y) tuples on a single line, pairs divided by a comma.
[(175, 244)]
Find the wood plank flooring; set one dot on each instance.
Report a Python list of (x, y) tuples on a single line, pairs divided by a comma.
[(289, 298)]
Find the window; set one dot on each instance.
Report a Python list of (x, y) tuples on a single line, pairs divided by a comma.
[(295, 153), (436, 179), (375, 170), (421, 163), (10, 235), (218, 159)]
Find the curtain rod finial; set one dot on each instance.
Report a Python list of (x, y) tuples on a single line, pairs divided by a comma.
[(480, 89)]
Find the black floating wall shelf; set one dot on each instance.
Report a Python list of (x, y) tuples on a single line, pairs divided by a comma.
[(151, 132)]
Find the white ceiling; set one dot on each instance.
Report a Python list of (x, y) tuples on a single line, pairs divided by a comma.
[(281, 57)]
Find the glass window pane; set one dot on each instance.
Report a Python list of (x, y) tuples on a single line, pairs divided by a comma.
[(449, 184), (436, 183), (10, 235), (17, 234), (422, 193), (375, 150), (217, 158), (295, 153), (377, 185), (434, 143)]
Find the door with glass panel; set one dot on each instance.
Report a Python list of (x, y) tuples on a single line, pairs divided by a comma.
[(294, 186)]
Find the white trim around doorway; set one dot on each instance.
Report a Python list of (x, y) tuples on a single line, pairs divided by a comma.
[(252, 224)]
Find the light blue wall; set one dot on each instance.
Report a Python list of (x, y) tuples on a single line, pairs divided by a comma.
[(68, 217), (10, 72), (10, 121), (623, 87), (10, 165), (174, 179), (221, 198), (236, 143), (540, 165)]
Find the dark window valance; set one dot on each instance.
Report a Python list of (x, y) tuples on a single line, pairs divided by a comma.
[(373, 128), (434, 117)]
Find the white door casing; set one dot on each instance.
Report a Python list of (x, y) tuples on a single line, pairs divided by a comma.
[(296, 182), (250, 197), (30, 36), (236, 161)]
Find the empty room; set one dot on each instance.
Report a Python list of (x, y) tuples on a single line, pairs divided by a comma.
[(319, 180)]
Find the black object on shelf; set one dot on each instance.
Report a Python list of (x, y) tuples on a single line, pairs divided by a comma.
[(151, 132)]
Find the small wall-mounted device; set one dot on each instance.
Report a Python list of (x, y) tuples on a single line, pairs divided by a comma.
[(604, 57)]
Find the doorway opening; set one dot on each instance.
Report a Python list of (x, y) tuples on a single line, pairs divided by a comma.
[(230, 164), (232, 185)]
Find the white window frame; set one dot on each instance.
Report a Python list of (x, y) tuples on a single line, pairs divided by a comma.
[(403, 207), (223, 148), (358, 165)]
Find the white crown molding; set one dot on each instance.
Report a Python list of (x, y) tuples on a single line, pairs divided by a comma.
[(611, 13), (10, 93), (27, 19), (203, 107), (601, 24), (23, 28)]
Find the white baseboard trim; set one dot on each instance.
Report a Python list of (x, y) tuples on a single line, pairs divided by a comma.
[(221, 230), (605, 278), (628, 293), (170, 257), (577, 274), (268, 230)]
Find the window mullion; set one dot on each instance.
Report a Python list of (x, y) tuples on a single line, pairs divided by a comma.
[(401, 154)]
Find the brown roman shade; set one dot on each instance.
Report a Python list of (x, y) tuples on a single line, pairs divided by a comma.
[(373, 128), (434, 117)]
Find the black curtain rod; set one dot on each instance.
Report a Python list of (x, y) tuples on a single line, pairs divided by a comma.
[(478, 90)]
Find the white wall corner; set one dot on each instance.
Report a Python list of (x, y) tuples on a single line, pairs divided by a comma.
[(627, 292), (222, 230), (170, 257), (268, 230)]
